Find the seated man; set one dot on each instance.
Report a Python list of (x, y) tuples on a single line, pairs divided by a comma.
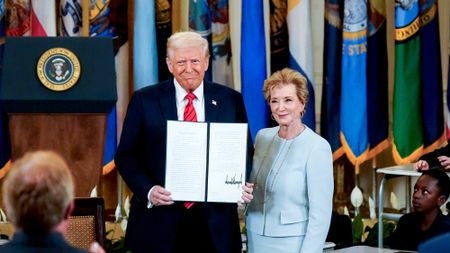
[(38, 196), (427, 221)]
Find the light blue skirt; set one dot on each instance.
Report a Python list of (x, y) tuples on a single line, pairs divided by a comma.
[(265, 244)]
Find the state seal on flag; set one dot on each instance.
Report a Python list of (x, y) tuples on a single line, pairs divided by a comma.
[(355, 17), (58, 69)]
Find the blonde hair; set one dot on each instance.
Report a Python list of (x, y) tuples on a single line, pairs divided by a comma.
[(287, 76), (37, 191), (185, 40)]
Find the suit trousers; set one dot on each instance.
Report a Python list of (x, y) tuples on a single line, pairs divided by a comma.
[(193, 234)]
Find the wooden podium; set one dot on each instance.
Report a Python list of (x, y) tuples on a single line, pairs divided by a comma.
[(45, 113)]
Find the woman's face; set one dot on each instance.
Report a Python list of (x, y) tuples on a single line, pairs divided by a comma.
[(286, 107), (426, 196)]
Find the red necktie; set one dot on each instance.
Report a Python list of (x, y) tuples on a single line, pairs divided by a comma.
[(189, 110), (190, 115)]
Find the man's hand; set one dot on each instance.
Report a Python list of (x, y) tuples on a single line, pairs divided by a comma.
[(160, 196), (444, 161), (421, 165)]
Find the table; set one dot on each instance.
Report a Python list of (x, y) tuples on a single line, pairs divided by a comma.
[(405, 170), (366, 249)]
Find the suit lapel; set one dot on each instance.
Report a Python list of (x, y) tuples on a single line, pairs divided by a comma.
[(167, 100), (212, 102)]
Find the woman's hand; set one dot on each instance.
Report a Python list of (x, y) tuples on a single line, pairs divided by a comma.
[(421, 165), (444, 161), (247, 194)]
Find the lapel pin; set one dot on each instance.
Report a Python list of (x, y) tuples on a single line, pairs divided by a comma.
[(214, 102)]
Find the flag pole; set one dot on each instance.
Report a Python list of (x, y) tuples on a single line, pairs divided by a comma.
[(374, 179), (85, 18)]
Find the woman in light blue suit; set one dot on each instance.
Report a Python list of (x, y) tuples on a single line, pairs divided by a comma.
[(293, 175)]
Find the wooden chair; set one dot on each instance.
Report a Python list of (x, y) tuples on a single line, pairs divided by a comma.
[(87, 223)]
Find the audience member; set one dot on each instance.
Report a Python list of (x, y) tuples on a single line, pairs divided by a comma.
[(38, 197), (292, 173), (427, 221)]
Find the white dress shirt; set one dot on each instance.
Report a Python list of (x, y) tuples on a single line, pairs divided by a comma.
[(199, 101)]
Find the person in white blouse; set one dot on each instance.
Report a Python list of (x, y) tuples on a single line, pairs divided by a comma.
[(293, 175)]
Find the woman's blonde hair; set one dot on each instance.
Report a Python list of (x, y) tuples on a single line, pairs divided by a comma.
[(287, 76)]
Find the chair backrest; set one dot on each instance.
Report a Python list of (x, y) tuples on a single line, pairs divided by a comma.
[(87, 223), (340, 232)]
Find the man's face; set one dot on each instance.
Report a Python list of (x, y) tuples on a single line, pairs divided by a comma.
[(188, 66)]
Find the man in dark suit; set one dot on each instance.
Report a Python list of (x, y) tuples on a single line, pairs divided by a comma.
[(38, 196), (156, 223)]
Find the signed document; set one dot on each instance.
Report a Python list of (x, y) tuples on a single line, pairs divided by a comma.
[(206, 161)]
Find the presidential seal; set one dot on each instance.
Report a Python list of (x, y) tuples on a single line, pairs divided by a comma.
[(58, 69)]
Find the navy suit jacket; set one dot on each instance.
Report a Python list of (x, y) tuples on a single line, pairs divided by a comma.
[(141, 159), (47, 243)]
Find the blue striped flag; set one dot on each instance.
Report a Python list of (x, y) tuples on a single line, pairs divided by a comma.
[(253, 64), (331, 92), (431, 77), (354, 130), (300, 50), (200, 22), (145, 53), (377, 79)]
